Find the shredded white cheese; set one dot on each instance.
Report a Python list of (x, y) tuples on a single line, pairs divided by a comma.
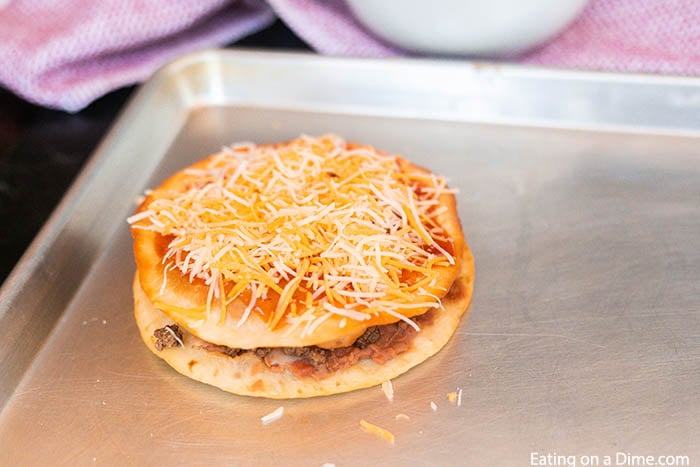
[(388, 389), (272, 416), (172, 333), (314, 224), (433, 406)]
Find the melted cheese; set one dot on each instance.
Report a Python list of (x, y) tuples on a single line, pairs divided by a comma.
[(316, 227)]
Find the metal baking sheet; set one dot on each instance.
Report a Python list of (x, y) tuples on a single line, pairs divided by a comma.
[(579, 194)]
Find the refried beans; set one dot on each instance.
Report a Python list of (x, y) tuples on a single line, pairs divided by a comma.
[(378, 343)]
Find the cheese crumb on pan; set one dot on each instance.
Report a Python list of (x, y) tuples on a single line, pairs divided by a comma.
[(402, 416), (388, 389), (377, 431), (272, 416), (433, 406), (318, 221), (455, 397)]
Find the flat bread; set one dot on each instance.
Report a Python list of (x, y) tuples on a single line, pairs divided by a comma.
[(248, 375)]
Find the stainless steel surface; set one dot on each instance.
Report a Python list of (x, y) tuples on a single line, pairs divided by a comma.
[(583, 337)]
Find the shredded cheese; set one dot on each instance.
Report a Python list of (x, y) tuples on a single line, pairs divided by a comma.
[(172, 333), (377, 431), (311, 225), (433, 406), (272, 416), (388, 389)]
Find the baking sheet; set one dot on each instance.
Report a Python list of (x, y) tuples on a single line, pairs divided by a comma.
[(579, 195)]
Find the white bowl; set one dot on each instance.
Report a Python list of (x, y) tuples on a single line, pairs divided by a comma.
[(466, 27)]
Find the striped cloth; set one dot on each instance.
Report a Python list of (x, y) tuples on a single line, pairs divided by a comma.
[(66, 54)]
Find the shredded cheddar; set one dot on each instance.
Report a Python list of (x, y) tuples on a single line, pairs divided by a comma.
[(377, 431), (314, 222)]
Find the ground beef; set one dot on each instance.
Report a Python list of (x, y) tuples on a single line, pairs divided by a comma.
[(233, 352), (230, 351), (315, 356), (370, 336), (167, 336), (378, 343)]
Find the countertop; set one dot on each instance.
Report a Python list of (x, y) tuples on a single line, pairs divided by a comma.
[(42, 151)]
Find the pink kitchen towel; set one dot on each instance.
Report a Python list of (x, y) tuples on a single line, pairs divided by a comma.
[(64, 54)]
